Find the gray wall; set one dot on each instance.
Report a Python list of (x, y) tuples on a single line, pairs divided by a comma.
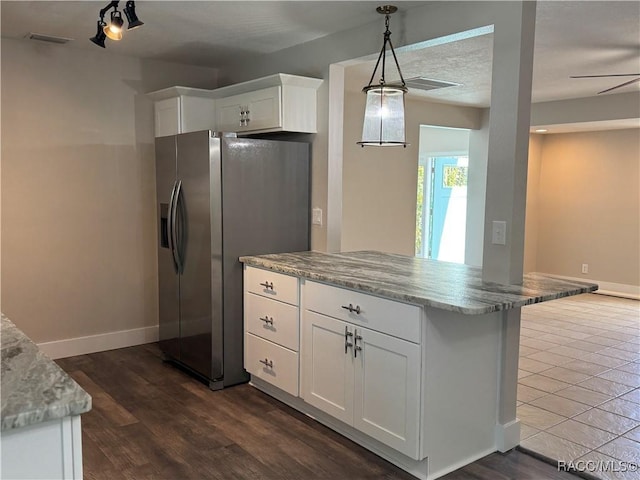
[(78, 188)]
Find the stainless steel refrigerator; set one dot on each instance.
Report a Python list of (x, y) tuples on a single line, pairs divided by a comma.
[(218, 198)]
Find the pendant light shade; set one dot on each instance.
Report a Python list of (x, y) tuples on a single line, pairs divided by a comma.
[(384, 110), (384, 116)]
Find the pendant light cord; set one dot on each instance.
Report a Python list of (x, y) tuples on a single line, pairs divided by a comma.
[(383, 56)]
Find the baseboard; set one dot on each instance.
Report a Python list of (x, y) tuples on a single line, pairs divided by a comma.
[(607, 288), (508, 435), (99, 343)]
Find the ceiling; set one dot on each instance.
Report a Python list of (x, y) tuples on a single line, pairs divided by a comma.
[(572, 38)]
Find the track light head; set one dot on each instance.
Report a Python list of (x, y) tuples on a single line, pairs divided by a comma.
[(100, 36), (132, 18), (114, 29)]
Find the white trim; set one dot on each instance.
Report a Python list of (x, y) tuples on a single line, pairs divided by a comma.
[(607, 288), (508, 435), (99, 343), (335, 148)]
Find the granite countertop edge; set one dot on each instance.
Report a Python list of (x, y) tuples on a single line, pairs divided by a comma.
[(475, 297), (34, 388)]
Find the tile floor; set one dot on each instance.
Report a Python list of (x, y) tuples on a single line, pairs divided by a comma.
[(579, 382)]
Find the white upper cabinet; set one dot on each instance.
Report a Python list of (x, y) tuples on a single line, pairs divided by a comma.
[(182, 110), (289, 108), (277, 103)]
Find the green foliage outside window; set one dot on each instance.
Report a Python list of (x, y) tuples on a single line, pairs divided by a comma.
[(454, 176), (420, 209)]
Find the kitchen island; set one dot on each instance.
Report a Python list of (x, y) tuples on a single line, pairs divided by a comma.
[(414, 359), (41, 408)]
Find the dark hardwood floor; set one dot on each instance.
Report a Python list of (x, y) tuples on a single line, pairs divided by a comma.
[(152, 421)]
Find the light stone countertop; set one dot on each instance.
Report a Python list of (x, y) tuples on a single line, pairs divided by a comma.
[(430, 283), (33, 388)]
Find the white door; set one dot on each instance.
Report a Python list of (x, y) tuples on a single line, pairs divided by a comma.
[(327, 371), (264, 109), (168, 115), (387, 390), (228, 114)]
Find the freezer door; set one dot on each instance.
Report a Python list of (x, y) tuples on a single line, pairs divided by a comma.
[(265, 187), (194, 246), (168, 285)]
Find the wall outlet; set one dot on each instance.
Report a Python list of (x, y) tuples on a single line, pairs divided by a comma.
[(585, 268), (316, 216)]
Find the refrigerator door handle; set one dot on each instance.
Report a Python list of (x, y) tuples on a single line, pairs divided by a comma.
[(174, 228), (171, 225)]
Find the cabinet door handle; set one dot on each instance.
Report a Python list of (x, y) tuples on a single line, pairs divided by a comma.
[(356, 347), (347, 343), (352, 309), (267, 285), (267, 362), (267, 320)]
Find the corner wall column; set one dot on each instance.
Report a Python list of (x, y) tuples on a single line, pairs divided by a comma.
[(507, 190), (509, 142)]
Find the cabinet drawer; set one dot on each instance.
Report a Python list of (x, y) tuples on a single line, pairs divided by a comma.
[(271, 363), (387, 316), (272, 320), (271, 285)]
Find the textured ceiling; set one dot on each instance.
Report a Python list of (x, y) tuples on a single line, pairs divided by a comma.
[(206, 33), (572, 38)]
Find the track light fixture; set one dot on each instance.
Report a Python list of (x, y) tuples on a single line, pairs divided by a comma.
[(100, 36), (113, 30), (132, 19), (384, 111)]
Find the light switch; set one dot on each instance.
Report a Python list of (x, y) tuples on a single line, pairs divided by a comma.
[(499, 233), (316, 218)]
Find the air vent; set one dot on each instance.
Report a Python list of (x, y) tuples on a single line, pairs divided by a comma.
[(48, 38), (421, 83)]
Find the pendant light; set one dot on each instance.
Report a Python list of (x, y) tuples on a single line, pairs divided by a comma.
[(383, 124)]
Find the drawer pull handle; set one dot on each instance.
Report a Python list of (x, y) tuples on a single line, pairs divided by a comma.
[(356, 347), (267, 362), (267, 320), (267, 285), (347, 343), (353, 309)]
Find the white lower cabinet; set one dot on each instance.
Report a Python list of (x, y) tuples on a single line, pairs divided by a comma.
[(354, 356), (271, 328), (48, 450), (364, 378), (271, 363)]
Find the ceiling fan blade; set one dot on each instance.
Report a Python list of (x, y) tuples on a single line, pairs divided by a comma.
[(612, 75), (621, 85)]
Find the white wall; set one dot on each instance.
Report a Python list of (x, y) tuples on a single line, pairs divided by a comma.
[(379, 185), (412, 28), (78, 187), (589, 206), (476, 191), (532, 220), (441, 141)]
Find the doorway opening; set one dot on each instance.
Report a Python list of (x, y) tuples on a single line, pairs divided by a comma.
[(441, 206)]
